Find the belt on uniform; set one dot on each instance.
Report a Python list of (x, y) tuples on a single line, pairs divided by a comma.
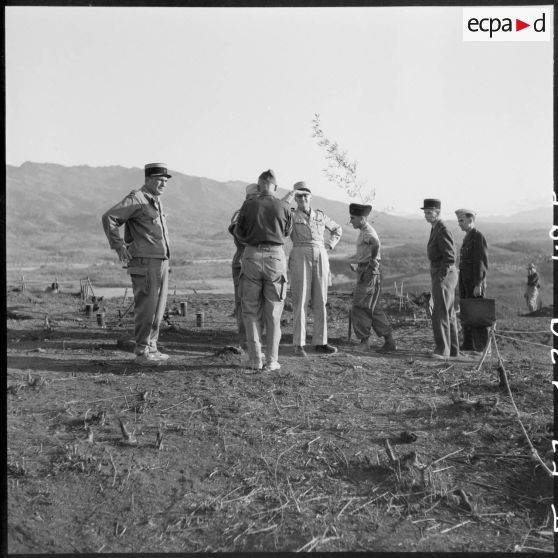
[(307, 243), (264, 245), (436, 266)]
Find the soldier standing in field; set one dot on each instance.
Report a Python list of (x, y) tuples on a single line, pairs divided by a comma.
[(263, 224), (251, 192), (145, 251), (473, 267), (366, 313), (533, 286), (443, 274), (309, 269)]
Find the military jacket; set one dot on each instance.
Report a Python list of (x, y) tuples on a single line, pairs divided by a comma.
[(311, 228), (441, 247), (473, 258), (533, 279), (368, 248), (145, 225), (263, 220)]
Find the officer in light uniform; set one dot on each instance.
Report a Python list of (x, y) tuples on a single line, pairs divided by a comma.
[(366, 313), (146, 252), (309, 269)]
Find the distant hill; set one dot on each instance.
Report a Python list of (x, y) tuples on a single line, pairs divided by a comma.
[(50, 205)]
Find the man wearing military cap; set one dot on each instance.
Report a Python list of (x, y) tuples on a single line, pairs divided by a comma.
[(443, 274), (366, 313), (473, 267), (309, 269), (533, 286), (145, 250), (263, 224)]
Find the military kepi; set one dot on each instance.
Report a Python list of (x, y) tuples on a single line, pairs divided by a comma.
[(156, 169), (359, 210), (432, 203), (301, 188)]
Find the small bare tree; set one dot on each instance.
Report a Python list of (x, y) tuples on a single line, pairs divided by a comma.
[(340, 170)]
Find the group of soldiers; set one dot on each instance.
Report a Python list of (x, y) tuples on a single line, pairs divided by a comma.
[(261, 272)]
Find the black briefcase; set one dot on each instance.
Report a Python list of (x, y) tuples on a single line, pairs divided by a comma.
[(477, 312)]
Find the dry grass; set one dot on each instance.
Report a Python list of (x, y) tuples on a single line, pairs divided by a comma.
[(351, 452)]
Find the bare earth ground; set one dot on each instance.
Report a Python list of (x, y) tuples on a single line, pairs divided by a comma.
[(225, 460)]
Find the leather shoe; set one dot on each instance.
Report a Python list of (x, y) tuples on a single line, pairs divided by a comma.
[(329, 349), (300, 351)]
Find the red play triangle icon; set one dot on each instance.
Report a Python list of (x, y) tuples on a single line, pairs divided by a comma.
[(519, 25)]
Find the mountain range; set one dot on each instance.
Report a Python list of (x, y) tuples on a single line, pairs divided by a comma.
[(46, 201)]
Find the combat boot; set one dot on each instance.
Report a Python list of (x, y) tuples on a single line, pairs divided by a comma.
[(389, 345)]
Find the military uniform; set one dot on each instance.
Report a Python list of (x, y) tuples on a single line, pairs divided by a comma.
[(309, 271), (443, 273), (532, 290), (147, 240), (366, 313), (263, 225), (236, 266), (473, 266)]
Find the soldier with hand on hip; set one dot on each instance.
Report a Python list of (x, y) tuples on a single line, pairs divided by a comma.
[(309, 269), (146, 252)]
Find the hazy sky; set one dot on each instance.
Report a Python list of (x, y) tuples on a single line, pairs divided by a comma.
[(226, 93)]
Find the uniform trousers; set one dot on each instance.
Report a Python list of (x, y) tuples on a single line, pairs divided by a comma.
[(531, 295), (309, 278), (444, 320), (236, 269), (474, 338), (263, 288), (150, 283), (366, 313)]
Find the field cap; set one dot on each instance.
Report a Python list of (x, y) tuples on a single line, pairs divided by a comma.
[(531, 266), (432, 203), (358, 210), (251, 190), (156, 169), (268, 175), (466, 212), (301, 188)]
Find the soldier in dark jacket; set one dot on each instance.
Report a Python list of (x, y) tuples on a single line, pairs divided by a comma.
[(251, 192), (441, 253), (145, 251), (473, 266)]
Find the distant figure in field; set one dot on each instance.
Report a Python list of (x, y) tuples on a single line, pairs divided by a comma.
[(145, 250), (53, 289), (366, 313), (263, 224), (443, 274), (532, 290), (309, 269), (473, 267), (251, 192)]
